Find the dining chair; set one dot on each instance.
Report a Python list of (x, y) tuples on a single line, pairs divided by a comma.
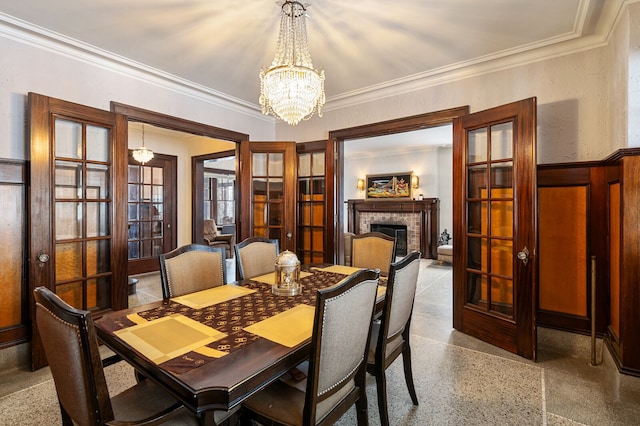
[(348, 244), (373, 250), (214, 238), (336, 377), (390, 333), (192, 268), (71, 347), (256, 256)]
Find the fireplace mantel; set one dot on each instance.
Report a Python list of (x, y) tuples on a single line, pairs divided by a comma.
[(426, 211)]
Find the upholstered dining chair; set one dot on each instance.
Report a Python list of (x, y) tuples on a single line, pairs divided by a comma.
[(373, 250), (192, 268), (71, 347), (256, 256), (337, 365), (390, 333), (214, 238)]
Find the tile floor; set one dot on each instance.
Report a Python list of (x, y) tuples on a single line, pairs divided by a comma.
[(459, 380)]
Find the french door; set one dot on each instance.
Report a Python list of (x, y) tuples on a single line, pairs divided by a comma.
[(77, 238), (151, 211), (268, 191), (495, 226)]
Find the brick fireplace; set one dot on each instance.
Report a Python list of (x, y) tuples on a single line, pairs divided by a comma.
[(420, 217)]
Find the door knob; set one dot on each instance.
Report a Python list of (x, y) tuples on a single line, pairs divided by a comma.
[(289, 234), (524, 255), (43, 258)]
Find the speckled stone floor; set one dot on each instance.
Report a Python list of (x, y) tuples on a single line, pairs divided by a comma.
[(459, 380)]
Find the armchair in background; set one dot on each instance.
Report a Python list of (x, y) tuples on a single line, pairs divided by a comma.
[(214, 239)]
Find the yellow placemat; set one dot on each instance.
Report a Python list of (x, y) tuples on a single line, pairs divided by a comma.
[(270, 278), (381, 292), (288, 328), (168, 337), (212, 296), (340, 269)]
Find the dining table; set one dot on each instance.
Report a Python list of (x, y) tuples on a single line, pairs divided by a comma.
[(214, 348)]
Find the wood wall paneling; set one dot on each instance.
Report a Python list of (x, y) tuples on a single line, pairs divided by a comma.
[(14, 315), (614, 260), (563, 233)]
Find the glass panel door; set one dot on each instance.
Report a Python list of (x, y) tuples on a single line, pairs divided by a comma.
[(82, 214), (311, 207), (146, 211), (495, 226)]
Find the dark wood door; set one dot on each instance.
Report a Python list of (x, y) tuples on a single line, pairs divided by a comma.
[(268, 191), (77, 238), (151, 211), (495, 226)]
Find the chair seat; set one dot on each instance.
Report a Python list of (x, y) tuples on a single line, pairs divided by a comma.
[(446, 249), (284, 403), (146, 398), (392, 345)]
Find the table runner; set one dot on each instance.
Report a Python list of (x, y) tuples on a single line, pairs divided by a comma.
[(229, 317)]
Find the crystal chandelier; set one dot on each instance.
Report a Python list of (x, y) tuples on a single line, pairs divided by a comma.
[(291, 89), (142, 154)]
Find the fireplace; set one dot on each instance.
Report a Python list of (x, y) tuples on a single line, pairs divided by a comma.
[(399, 232), (419, 217)]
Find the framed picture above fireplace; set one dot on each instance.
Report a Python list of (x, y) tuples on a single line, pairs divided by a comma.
[(390, 186)]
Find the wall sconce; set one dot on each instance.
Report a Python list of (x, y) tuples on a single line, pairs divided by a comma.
[(360, 185), (415, 182)]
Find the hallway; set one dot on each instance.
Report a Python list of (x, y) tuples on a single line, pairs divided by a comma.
[(459, 380)]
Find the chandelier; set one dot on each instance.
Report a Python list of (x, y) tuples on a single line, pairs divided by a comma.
[(142, 154), (291, 89)]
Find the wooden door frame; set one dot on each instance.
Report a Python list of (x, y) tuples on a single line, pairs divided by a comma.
[(197, 183), (399, 125), (132, 113)]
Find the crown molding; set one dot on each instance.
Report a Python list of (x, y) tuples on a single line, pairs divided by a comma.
[(566, 44), (33, 35)]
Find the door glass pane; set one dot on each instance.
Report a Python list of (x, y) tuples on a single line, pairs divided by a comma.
[(502, 257), (502, 295), (99, 293), (70, 293), (98, 144), (275, 189), (98, 257), (68, 261), (318, 164), (259, 164), (259, 189), (97, 181), (275, 214), (275, 164), (68, 139), (475, 216), (501, 177), (304, 165), (68, 180), (476, 256), (158, 176), (477, 181), (476, 288), (97, 218), (68, 220), (477, 145), (318, 189), (502, 141), (502, 218)]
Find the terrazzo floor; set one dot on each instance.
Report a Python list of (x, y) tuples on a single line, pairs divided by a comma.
[(459, 380)]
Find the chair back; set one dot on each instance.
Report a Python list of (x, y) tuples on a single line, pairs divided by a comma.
[(348, 244), (400, 294), (192, 268), (71, 347), (210, 228), (256, 256), (373, 250), (341, 331)]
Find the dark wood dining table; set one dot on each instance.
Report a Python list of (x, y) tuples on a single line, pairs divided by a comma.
[(198, 378)]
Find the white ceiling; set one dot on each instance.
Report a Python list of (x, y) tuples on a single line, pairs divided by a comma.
[(362, 45)]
